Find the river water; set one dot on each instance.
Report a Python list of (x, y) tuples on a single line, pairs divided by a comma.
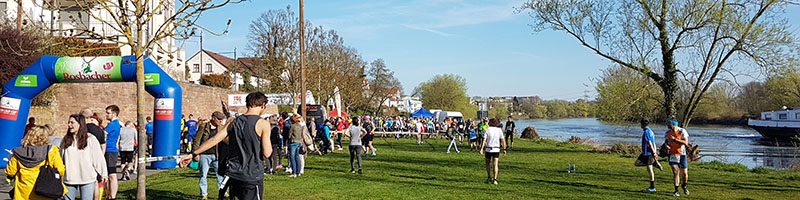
[(729, 144)]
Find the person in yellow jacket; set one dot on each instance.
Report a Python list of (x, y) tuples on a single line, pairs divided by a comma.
[(26, 161)]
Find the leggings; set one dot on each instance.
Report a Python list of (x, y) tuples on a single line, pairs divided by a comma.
[(509, 138), (272, 162), (355, 152)]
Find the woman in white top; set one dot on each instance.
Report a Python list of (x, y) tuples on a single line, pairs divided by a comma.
[(83, 160), (492, 144)]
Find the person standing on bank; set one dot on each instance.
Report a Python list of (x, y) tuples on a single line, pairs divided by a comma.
[(127, 139), (356, 133), (492, 143), (649, 154), (208, 158), (510, 128), (249, 144), (295, 141), (677, 140), (83, 160)]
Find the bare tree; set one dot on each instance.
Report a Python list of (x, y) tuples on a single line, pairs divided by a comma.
[(700, 41)]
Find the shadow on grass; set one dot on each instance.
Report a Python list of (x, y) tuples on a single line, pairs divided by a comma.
[(156, 194)]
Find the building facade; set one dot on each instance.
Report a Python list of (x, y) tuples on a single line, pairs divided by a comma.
[(207, 62)]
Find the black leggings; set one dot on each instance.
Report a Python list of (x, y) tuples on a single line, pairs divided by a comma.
[(509, 138), (272, 162), (355, 152), (326, 145)]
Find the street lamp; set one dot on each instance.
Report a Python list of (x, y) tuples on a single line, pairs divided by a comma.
[(194, 34)]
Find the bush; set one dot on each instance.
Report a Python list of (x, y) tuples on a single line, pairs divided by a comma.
[(577, 140), (624, 149), (217, 80), (762, 170), (720, 166)]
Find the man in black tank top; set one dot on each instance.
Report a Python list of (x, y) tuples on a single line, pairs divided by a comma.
[(249, 144)]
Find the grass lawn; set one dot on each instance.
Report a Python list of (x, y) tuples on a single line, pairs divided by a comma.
[(534, 170)]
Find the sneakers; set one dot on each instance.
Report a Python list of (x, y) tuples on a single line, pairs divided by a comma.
[(288, 170), (292, 176), (205, 197), (488, 180), (649, 190), (676, 194), (494, 182), (352, 171), (340, 148), (279, 166), (302, 171), (373, 154), (685, 191), (359, 171)]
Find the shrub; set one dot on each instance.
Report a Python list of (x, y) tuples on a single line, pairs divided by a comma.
[(577, 140), (216, 80), (625, 149), (762, 170), (720, 166)]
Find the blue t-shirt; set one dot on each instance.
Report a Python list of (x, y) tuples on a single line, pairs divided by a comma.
[(192, 126), (472, 134), (647, 137), (149, 128), (327, 132), (113, 136)]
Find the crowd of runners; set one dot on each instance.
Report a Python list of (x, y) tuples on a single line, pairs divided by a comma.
[(97, 152)]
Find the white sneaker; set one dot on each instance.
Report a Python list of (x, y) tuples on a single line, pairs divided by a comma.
[(301, 171), (288, 170)]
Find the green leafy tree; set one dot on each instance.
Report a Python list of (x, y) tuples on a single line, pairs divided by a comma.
[(623, 94), (699, 40), (499, 111), (446, 92)]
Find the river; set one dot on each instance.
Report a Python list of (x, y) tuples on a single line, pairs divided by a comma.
[(729, 144)]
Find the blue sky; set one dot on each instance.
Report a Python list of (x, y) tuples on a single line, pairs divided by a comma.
[(484, 41)]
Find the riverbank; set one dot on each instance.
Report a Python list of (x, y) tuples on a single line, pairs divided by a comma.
[(536, 169)]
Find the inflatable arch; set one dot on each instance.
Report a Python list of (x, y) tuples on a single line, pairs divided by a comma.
[(16, 98)]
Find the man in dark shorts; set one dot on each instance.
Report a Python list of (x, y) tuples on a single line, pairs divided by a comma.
[(510, 128), (649, 155), (112, 152), (249, 143)]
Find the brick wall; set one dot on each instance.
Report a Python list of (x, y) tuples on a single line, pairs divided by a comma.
[(71, 98)]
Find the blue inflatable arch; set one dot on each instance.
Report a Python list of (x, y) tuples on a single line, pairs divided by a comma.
[(16, 98)]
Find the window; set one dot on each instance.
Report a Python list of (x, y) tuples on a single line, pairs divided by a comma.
[(797, 115), (196, 68), (767, 116), (208, 68), (783, 116)]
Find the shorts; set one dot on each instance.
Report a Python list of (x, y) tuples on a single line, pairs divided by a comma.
[(646, 160), (681, 162), (126, 156), (490, 155), (368, 138), (245, 189), (111, 161), (150, 139)]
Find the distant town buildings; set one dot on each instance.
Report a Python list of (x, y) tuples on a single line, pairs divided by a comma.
[(64, 18), (207, 62)]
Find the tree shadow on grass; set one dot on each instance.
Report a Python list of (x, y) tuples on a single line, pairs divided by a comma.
[(156, 194)]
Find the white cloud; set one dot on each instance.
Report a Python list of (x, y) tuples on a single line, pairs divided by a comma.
[(428, 30)]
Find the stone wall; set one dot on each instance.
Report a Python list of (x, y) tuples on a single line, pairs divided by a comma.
[(71, 98)]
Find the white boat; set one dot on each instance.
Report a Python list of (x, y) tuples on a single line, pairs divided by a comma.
[(782, 124)]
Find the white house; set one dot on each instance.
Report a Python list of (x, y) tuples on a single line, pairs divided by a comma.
[(207, 62), (63, 18)]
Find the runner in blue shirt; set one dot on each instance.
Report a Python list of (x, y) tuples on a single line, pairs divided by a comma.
[(649, 155), (191, 125), (112, 148)]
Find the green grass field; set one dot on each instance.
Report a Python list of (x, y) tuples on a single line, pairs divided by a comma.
[(534, 170)]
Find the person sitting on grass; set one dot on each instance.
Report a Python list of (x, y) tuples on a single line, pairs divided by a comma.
[(492, 143), (649, 155)]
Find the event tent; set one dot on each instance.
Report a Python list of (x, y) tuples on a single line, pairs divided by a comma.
[(333, 113), (422, 113)]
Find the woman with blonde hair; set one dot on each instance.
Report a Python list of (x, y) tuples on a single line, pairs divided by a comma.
[(26, 161), (83, 158)]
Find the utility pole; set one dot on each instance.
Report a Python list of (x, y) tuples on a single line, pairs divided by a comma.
[(302, 62)]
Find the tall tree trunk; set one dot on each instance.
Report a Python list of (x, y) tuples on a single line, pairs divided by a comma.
[(140, 92)]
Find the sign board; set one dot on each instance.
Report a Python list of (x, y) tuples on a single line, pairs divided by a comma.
[(272, 99), (26, 81), (9, 108), (152, 79), (88, 69), (165, 108), (236, 99)]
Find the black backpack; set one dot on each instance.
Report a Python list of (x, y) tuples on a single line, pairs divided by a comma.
[(48, 183)]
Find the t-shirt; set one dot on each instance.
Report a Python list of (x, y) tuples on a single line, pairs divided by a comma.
[(275, 134), (149, 128), (126, 137), (472, 134), (97, 132), (674, 147), (493, 136), (368, 128), (647, 137), (510, 125), (192, 127), (113, 136), (327, 132), (355, 135)]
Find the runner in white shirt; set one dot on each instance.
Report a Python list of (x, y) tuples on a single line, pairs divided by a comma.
[(493, 143)]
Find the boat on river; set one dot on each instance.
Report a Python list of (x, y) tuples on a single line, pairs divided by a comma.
[(783, 124)]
